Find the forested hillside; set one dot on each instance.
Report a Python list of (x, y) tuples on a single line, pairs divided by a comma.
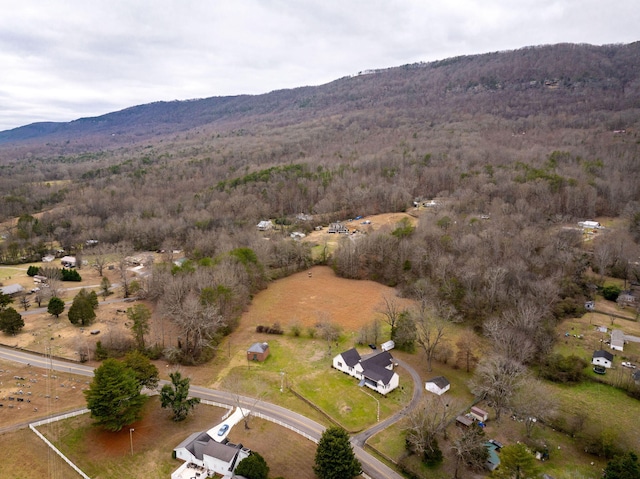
[(535, 139)]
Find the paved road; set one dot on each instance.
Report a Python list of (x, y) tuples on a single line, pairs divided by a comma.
[(371, 466)]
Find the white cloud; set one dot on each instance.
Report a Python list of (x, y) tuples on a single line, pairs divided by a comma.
[(64, 59)]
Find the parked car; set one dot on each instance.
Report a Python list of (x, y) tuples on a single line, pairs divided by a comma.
[(599, 369), (628, 365), (223, 429)]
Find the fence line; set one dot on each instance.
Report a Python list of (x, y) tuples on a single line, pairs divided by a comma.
[(280, 423), (34, 425)]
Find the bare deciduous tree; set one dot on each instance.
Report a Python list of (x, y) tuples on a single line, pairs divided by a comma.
[(497, 379), (431, 327)]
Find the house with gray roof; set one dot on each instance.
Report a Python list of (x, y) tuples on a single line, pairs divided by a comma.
[(11, 289), (374, 371), (602, 358), (206, 457), (438, 385), (617, 340)]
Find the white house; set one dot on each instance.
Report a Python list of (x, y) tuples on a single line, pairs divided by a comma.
[(68, 261), (589, 224), (205, 456), (602, 358), (375, 371), (347, 361), (438, 385), (338, 228), (617, 340), (265, 225)]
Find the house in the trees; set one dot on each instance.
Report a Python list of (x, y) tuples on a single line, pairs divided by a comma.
[(602, 358), (206, 457), (617, 340), (258, 352), (438, 385), (68, 261), (265, 225), (11, 289), (374, 371), (338, 228)]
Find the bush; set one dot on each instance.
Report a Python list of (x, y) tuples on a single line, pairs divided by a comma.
[(275, 329), (33, 270), (70, 275), (563, 369), (611, 292)]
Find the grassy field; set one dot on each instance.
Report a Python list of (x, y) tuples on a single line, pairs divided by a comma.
[(107, 455)]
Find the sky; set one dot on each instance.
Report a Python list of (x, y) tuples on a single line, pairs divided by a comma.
[(61, 60)]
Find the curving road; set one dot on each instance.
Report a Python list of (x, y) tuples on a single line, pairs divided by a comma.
[(370, 465)]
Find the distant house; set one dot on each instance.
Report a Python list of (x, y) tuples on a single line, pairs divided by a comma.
[(625, 298), (11, 289), (297, 235), (338, 228), (48, 258), (617, 340), (590, 225), (636, 376), (68, 261), (39, 279), (265, 225), (602, 358), (438, 385), (258, 352), (479, 414), (375, 371), (206, 457)]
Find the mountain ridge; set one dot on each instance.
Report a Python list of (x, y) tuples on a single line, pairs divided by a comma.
[(434, 89)]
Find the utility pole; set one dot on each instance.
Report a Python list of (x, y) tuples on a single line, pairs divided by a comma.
[(131, 439)]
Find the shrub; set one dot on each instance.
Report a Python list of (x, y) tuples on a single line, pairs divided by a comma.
[(611, 292)]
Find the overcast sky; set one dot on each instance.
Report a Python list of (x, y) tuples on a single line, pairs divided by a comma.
[(65, 59)]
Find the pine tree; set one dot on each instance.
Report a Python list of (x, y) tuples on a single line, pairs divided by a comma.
[(176, 396), (114, 396), (55, 306), (335, 458), (11, 321)]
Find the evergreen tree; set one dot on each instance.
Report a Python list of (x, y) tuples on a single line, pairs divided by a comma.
[(176, 396), (81, 312), (146, 372), (253, 467), (55, 306), (335, 458), (516, 462), (5, 300), (625, 466), (114, 396), (11, 321)]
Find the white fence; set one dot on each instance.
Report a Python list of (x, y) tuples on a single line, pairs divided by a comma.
[(62, 417)]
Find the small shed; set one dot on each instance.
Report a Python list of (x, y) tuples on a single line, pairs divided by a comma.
[(602, 358), (464, 421), (386, 346), (479, 414), (265, 225), (438, 385), (258, 352), (338, 228)]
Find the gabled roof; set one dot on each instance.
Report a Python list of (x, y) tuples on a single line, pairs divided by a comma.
[(636, 376), (603, 354), (351, 357), (11, 289), (439, 381), (383, 359), (258, 348), (375, 367)]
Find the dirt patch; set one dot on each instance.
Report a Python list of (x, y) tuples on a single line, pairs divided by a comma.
[(317, 295)]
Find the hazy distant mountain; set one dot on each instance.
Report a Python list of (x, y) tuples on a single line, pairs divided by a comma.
[(574, 80)]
